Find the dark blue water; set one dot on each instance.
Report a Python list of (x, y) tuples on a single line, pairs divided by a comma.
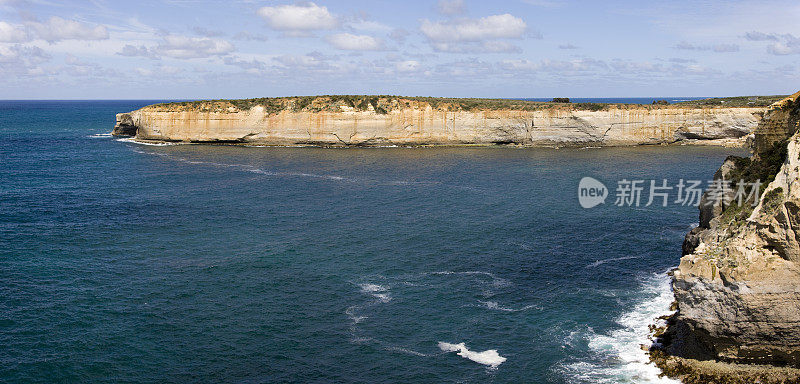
[(124, 262)]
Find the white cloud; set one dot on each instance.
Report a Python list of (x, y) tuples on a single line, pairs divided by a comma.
[(494, 46), (305, 17), (368, 25), (53, 30), (760, 36), (681, 60), (578, 65), (181, 47), (490, 46), (472, 68), (474, 35), (23, 54), (21, 60), (408, 66), (79, 68), (57, 29), (399, 35), (352, 42), (783, 44), (789, 46), (144, 72), (133, 51), (451, 7), (12, 34), (473, 30), (247, 36), (312, 60), (161, 72), (685, 45), (202, 31), (253, 65), (544, 3), (631, 68)]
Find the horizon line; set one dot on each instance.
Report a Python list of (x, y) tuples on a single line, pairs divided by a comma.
[(441, 97)]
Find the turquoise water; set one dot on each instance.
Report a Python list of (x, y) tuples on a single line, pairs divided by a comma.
[(184, 263)]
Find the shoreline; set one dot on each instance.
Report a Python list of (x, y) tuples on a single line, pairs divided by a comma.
[(724, 143), (736, 318)]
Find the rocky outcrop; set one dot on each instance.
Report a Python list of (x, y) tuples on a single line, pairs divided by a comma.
[(737, 289), (400, 121), (124, 126)]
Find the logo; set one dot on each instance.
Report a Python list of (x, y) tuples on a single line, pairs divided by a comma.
[(591, 192)]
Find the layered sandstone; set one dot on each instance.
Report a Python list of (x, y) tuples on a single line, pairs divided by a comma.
[(411, 121)]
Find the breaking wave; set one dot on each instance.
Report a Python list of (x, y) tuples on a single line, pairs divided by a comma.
[(379, 292), (619, 356), (488, 357), (152, 144), (380, 289)]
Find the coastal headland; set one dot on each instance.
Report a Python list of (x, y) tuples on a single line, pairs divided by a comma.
[(425, 121), (737, 288)]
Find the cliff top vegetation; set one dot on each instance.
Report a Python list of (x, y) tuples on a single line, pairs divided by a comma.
[(383, 104)]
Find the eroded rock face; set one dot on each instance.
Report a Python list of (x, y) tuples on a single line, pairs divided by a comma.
[(738, 289), (125, 125), (421, 124)]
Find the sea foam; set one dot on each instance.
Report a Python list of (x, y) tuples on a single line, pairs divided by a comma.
[(379, 292), (152, 144), (621, 358), (489, 357), (493, 305), (601, 262)]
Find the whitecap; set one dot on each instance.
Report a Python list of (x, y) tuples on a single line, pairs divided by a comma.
[(601, 262), (620, 354), (152, 144), (379, 292), (405, 350), (100, 136), (369, 287), (329, 177), (263, 172), (351, 313), (493, 305), (245, 167), (488, 357)]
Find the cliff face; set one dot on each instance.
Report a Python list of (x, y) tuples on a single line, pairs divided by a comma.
[(409, 122), (738, 287)]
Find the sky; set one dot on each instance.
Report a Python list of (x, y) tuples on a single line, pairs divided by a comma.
[(194, 49)]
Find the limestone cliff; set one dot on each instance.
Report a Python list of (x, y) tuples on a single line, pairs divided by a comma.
[(386, 120), (737, 289)]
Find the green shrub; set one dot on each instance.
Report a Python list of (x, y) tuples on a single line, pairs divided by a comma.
[(772, 200), (590, 106)]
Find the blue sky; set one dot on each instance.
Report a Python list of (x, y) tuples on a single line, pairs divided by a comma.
[(189, 49)]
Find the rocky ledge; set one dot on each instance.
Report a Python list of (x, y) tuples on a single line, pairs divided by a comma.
[(417, 121), (737, 289)]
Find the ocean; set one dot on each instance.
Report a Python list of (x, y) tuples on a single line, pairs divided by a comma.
[(122, 262)]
